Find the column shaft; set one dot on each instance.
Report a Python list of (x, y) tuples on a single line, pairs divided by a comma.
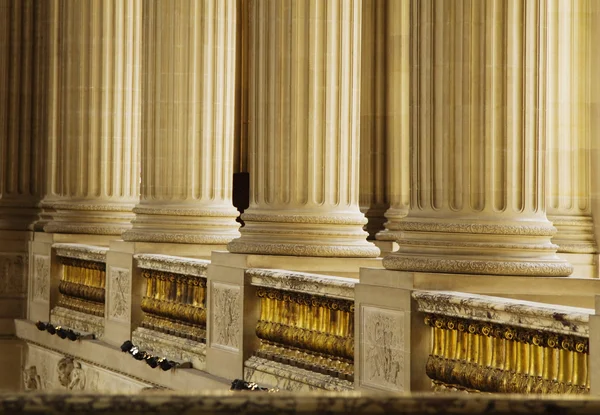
[(373, 118), (478, 125), (94, 157), (304, 112), (568, 126), (397, 120), (188, 120), (20, 140)]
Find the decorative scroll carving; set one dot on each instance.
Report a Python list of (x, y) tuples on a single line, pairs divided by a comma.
[(483, 356), (226, 301), (119, 304), (41, 277), (308, 331), (175, 304)]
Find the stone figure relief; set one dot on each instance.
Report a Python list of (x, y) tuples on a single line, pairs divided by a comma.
[(119, 294), (226, 316), (41, 277), (382, 364), (13, 268), (70, 374), (31, 379)]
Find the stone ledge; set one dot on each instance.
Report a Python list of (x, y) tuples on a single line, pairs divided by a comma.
[(268, 373), (302, 282), (111, 358), (80, 251), (527, 314), (177, 265)]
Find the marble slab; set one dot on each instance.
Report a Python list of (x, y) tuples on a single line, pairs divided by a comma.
[(238, 403), (302, 282), (519, 313), (80, 251), (285, 377), (173, 347), (174, 264)]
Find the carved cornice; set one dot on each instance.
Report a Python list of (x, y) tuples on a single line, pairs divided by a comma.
[(173, 264), (335, 287), (80, 251), (482, 266), (332, 219), (528, 315), (264, 247), (476, 228)]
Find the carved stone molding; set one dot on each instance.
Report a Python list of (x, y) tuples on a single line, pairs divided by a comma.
[(226, 312), (119, 294), (382, 348), (41, 278), (14, 274)]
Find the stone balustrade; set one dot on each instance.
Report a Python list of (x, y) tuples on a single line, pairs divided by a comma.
[(174, 307), (81, 287), (491, 344), (306, 328)]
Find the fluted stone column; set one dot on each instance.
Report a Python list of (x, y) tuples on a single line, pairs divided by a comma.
[(304, 89), (94, 157), (478, 131), (187, 123), (568, 126), (397, 119), (20, 141), (373, 117)]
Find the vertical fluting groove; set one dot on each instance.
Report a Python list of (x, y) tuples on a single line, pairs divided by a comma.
[(189, 117), (497, 119), (304, 128), (22, 98)]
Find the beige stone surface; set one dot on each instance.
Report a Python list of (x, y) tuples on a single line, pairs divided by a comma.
[(233, 310), (110, 358), (568, 128), (93, 154), (342, 267), (188, 123), (21, 127), (482, 210), (303, 131)]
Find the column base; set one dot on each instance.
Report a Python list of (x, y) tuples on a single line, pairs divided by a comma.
[(575, 234), (484, 247), (304, 235), (183, 226), (90, 218)]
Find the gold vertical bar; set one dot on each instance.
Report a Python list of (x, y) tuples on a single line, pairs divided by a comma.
[(451, 344), (579, 368), (536, 360), (565, 368)]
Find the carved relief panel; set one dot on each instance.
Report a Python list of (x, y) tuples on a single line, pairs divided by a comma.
[(226, 316), (41, 278), (119, 294), (382, 348)]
